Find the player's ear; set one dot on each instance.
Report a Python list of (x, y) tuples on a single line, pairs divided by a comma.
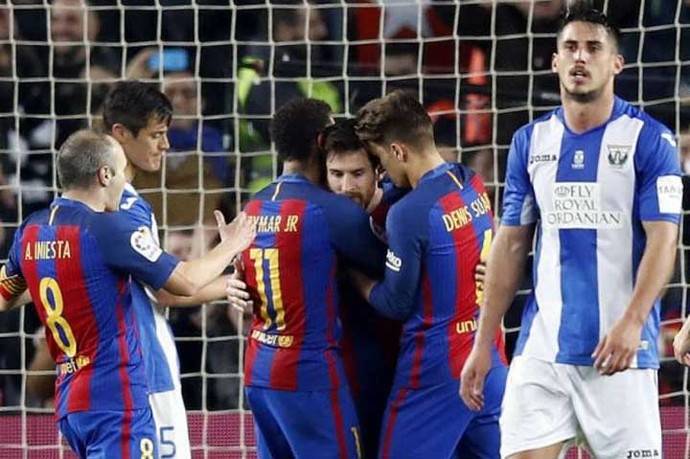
[(120, 132), (554, 63), (398, 151), (105, 175)]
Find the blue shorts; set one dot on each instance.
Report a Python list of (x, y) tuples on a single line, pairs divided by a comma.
[(434, 422), (304, 424), (108, 434)]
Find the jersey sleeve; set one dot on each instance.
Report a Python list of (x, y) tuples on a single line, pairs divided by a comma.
[(395, 295), (660, 189), (12, 282), (352, 237), (130, 247), (519, 207)]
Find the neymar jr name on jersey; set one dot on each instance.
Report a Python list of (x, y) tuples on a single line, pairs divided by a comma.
[(272, 223)]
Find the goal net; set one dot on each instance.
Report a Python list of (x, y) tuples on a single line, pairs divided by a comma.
[(480, 67)]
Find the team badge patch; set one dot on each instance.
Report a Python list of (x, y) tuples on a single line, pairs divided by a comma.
[(618, 154), (143, 242)]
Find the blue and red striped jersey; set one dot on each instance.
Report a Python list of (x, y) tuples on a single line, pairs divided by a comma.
[(437, 235), (290, 268), (370, 341), (77, 264)]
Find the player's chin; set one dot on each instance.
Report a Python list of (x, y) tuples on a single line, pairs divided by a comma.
[(153, 165)]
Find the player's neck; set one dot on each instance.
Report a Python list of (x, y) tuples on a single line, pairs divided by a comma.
[(581, 117), (91, 199), (130, 172), (421, 164), (309, 171)]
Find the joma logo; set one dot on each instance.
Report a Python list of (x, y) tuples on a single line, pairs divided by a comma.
[(639, 453)]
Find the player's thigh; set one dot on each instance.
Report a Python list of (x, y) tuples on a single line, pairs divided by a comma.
[(319, 423), (108, 434), (482, 437), (73, 436), (171, 424), (426, 422), (537, 411), (618, 414), (270, 439)]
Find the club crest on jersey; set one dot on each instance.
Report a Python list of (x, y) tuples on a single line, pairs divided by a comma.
[(578, 160), (618, 154), (144, 244)]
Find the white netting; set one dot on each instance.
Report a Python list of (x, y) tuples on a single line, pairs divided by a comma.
[(481, 67)]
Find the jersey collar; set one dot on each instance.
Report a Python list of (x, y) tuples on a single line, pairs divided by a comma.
[(619, 108), (293, 178), (435, 172)]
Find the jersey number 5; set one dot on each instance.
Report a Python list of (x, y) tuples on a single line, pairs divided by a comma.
[(270, 255), (51, 300)]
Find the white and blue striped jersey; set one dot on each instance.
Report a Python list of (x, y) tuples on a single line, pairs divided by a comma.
[(589, 193), (158, 345)]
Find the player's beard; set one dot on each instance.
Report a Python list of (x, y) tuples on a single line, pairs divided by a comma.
[(582, 97), (356, 197)]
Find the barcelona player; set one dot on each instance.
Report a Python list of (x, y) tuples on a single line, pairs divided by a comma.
[(294, 373), (76, 259), (437, 235)]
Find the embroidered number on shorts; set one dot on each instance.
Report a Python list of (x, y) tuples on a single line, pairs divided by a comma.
[(146, 448)]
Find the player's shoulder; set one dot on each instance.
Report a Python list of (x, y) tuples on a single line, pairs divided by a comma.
[(651, 127), (133, 205), (524, 133)]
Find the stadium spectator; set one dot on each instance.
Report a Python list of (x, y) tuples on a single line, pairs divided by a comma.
[(588, 341), (298, 63), (83, 71)]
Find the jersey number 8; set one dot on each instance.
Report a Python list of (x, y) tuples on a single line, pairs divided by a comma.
[(62, 332)]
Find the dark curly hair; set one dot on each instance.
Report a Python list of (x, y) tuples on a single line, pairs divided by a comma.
[(296, 126)]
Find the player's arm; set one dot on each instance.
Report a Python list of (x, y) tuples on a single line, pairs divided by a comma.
[(13, 288), (352, 237), (617, 349), (395, 295), (213, 291), (134, 250), (660, 196), (190, 276), (681, 344), (504, 269)]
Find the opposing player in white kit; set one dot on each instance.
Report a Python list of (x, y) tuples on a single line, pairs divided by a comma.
[(137, 115), (601, 183)]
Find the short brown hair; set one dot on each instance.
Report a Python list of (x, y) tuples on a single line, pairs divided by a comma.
[(396, 117)]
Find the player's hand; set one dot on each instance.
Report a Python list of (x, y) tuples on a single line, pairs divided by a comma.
[(473, 376), (240, 231), (238, 296), (616, 350), (480, 272), (681, 346)]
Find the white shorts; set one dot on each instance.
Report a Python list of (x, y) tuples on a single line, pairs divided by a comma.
[(547, 403), (171, 424)]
